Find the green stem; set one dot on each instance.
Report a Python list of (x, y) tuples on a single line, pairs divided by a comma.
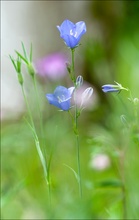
[(39, 109), (42, 134), (122, 173), (76, 126), (73, 69), (27, 105), (37, 143), (78, 154)]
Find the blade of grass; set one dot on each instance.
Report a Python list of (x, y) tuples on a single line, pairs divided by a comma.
[(31, 53), (26, 61), (24, 50), (13, 62), (76, 175)]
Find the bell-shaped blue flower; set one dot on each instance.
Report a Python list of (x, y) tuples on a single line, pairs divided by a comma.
[(71, 33), (61, 97)]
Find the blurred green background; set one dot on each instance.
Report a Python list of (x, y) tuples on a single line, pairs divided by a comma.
[(109, 129)]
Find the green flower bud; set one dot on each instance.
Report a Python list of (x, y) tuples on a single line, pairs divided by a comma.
[(31, 69), (68, 67), (20, 78)]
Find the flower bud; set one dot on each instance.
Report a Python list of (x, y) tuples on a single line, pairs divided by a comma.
[(31, 69), (113, 88), (79, 81), (86, 95), (20, 78), (68, 67)]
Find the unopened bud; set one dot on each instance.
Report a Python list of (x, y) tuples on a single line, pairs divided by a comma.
[(20, 78), (86, 95), (79, 81), (113, 88), (68, 67), (31, 69)]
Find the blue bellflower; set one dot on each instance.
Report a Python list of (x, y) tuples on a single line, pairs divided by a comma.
[(71, 33), (61, 97)]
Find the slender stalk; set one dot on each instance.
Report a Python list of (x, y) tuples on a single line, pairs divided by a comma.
[(73, 69), (37, 143), (27, 105), (122, 173), (76, 126), (78, 152), (42, 133), (39, 109)]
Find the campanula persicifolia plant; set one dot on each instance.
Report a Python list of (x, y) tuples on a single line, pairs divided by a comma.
[(63, 98), (71, 34)]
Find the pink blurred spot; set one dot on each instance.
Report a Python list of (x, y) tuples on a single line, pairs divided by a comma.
[(52, 66), (100, 162)]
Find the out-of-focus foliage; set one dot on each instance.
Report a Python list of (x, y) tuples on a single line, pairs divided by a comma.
[(110, 128)]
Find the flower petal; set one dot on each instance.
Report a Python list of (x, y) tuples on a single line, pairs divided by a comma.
[(62, 93), (70, 40), (66, 27), (53, 100), (71, 89), (61, 97), (65, 106), (80, 28), (71, 33)]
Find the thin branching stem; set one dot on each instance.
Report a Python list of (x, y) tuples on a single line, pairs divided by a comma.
[(76, 126)]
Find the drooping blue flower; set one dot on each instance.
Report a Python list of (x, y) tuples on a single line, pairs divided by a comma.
[(113, 88), (71, 33), (61, 97)]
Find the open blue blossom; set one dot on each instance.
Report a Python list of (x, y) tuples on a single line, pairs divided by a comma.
[(113, 88), (61, 97), (71, 33)]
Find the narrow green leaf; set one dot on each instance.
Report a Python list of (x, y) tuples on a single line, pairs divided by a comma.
[(110, 183), (32, 129), (18, 64), (31, 53), (76, 175), (42, 159), (13, 62), (24, 50), (26, 61)]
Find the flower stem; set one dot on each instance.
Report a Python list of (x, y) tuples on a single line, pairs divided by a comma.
[(76, 126), (27, 105), (37, 143), (73, 68), (43, 140), (39, 109), (78, 154), (122, 174)]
